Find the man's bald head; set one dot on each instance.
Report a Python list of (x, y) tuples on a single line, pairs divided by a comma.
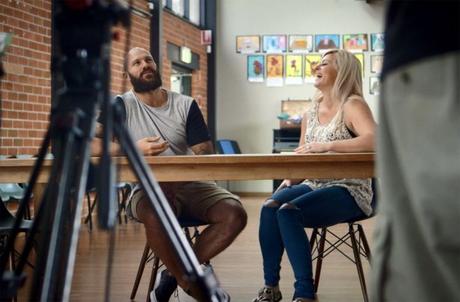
[(142, 70), (133, 52)]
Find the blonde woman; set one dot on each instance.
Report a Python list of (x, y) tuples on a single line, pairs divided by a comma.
[(339, 121)]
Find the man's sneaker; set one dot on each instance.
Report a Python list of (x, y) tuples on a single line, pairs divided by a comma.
[(268, 294), (165, 285)]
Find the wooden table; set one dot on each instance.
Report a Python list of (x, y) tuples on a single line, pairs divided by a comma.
[(223, 167)]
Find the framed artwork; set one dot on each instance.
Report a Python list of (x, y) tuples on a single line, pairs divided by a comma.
[(275, 70), (247, 44), (255, 68), (274, 43), (300, 43), (326, 42), (376, 63), (311, 61), (294, 69), (374, 85), (355, 42), (377, 42), (360, 57)]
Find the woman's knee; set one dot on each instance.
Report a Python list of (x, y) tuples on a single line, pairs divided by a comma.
[(271, 203), (288, 212)]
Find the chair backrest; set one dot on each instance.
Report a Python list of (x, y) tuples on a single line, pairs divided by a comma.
[(11, 190), (374, 197), (227, 146)]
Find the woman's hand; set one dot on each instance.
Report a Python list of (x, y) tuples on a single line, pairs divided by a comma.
[(152, 145), (313, 148), (287, 183)]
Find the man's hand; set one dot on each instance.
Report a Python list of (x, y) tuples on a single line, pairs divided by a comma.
[(152, 145)]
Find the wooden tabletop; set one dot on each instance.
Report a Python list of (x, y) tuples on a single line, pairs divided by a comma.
[(223, 167)]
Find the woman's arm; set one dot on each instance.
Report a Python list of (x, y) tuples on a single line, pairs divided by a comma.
[(358, 119)]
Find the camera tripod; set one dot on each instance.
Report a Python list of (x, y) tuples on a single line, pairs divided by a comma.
[(84, 65)]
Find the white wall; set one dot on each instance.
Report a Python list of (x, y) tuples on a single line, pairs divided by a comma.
[(247, 111)]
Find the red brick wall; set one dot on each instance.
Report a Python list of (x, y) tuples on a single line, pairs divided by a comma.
[(25, 90), (182, 33)]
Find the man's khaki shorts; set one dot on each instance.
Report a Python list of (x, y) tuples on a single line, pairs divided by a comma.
[(193, 199)]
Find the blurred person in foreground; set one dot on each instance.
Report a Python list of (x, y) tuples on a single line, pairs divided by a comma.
[(417, 247)]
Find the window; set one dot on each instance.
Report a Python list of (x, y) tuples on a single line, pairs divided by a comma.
[(194, 11), (178, 7), (181, 80)]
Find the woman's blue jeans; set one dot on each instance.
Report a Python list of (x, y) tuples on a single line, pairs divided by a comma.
[(283, 228)]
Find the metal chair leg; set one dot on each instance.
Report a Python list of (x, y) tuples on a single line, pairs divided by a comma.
[(359, 266), (362, 235), (319, 260), (140, 271)]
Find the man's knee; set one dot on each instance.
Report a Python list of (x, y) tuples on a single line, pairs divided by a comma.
[(229, 212)]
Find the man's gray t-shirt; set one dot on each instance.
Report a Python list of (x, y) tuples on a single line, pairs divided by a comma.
[(179, 122)]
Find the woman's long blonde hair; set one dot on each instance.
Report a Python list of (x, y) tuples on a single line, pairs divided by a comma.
[(349, 79)]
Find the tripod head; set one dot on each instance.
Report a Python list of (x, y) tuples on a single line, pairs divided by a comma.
[(83, 33)]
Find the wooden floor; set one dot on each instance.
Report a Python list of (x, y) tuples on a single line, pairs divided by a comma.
[(238, 268)]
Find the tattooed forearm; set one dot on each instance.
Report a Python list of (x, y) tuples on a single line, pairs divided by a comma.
[(203, 148)]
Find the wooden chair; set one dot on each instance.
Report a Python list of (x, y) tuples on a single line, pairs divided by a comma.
[(191, 231), (354, 238)]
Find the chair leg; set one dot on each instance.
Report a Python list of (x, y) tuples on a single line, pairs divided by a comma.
[(140, 271), (314, 234), (153, 276), (359, 266), (362, 235), (119, 201), (89, 217), (319, 260)]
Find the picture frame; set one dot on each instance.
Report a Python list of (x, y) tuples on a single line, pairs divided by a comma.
[(355, 42), (247, 44), (274, 43), (275, 63), (275, 70), (311, 61), (294, 69), (376, 63), (360, 57), (374, 85), (293, 65), (377, 42), (255, 68), (300, 43), (326, 42)]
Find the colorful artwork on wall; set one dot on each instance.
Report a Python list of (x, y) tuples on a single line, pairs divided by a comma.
[(374, 85), (360, 57), (377, 42), (376, 63), (326, 42), (355, 42), (274, 43), (300, 43), (311, 61), (256, 68), (294, 69), (247, 44), (275, 70)]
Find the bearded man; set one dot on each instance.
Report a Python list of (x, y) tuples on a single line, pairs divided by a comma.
[(163, 122)]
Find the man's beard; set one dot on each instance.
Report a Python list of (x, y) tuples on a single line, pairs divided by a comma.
[(140, 85)]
